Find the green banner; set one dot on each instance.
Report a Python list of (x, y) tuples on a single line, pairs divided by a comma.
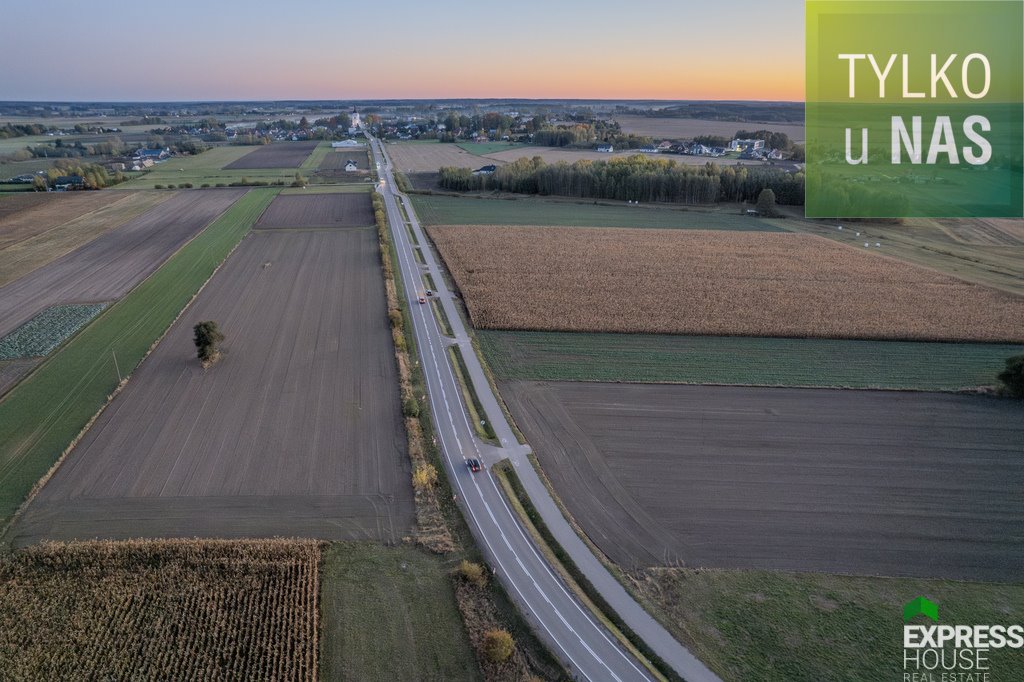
[(915, 108)]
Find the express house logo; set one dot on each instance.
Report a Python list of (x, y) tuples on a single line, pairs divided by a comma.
[(939, 652)]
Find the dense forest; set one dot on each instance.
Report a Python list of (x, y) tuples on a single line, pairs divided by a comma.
[(634, 178)]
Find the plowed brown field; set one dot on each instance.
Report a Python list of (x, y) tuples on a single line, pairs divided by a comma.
[(340, 209), (296, 431)]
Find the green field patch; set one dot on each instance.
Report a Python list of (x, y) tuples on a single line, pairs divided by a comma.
[(763, 625), (748, 361), (389, 613), (448, 210), (481, 148), (47, 330), (41, 416)]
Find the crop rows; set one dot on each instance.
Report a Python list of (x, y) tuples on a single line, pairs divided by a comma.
[(158, 610), (712, 283), (47, 330)]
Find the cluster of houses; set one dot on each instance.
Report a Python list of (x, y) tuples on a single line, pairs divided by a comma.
[(746, 149)]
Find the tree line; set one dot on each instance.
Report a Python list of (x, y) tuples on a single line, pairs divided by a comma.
[(633, 178)]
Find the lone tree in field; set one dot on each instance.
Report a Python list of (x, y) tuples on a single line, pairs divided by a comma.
[(498, 646), (766, 202), (208, 339), (1013, 377)]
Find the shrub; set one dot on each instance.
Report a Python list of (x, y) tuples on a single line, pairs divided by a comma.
[(498, 646), (158, 186), (220, 184), (473, 573), (425, 476), (205, 185), (766, 202), (410, 408), (186, 185), (1013, 377)]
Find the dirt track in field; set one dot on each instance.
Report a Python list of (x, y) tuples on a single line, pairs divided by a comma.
[(295, 211), (297, 431), (861, 482), (277, 155), (111, 265)]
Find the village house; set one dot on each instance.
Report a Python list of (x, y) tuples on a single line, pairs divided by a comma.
[(605, 148), (350, 166), (485, 170)]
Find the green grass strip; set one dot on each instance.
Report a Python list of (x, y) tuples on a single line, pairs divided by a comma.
[(442, 317), (901, 365), (476, 409), (42, 415)]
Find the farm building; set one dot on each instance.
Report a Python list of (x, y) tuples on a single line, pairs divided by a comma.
[(344, 143), (485, 170), (350, 166), (606, 148)]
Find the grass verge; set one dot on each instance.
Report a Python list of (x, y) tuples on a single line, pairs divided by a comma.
[(408, 596), (45, 413), (484, 429), (766, 625), (448, 533), (442, 317)]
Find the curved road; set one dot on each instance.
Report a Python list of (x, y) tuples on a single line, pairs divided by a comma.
[(585, 646)]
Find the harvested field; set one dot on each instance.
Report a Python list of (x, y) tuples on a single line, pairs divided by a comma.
[(277, 155), (712, 283), (688, 128), (425, 157), (315, 449), (295, 211), (185, 610), (109, 266), (859, 482), (11, 204), (22, 219), (56, 238)]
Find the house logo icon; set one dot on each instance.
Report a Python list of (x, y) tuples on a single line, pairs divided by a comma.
[(921, 606)]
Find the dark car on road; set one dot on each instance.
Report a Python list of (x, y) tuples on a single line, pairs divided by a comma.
[(474, 465)]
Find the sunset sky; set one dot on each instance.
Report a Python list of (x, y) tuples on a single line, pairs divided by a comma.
[(325, 49)]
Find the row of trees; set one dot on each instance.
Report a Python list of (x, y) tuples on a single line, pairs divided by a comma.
[(22, 129), (634, 178), (588, 134), (94, 175)]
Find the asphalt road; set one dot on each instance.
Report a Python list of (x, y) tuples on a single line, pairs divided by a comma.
[(587, 649)]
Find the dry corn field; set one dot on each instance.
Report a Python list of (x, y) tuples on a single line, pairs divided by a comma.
[(161, 610), (714, 283)]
